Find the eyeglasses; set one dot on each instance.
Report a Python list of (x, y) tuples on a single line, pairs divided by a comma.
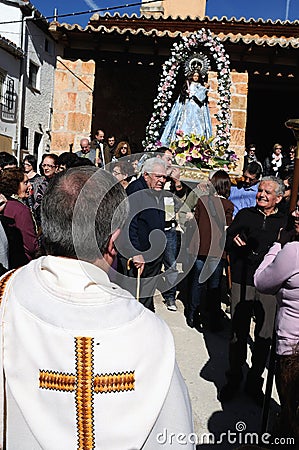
[(116, 173), (26, 164), (287, 187), (126, 148), (50, 166)]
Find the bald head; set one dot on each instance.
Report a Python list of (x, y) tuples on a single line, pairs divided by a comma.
[(85, 145)]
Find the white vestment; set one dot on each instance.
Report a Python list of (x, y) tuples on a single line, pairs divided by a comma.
[(86, 366)]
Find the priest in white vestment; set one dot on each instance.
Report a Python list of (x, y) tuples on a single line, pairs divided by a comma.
[(85, 365)]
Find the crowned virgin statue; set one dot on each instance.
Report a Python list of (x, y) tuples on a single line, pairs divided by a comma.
[(190, 113)]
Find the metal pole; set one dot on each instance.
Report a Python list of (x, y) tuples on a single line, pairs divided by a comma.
[(293, 124)]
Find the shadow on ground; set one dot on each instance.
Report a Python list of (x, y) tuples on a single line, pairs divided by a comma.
[(203, 360)]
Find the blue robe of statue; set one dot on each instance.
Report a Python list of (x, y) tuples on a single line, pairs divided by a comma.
[(193, 116)]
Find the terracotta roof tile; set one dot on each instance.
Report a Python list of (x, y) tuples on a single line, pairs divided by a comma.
[(260, 32)]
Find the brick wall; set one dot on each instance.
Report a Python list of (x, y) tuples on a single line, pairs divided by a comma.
[(72, 104), (239, 91)]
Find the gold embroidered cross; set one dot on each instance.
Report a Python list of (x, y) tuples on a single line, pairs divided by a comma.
[(84, 383)]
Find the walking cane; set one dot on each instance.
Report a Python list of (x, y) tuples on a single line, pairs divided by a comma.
[(97, 157), (138, 278), (269, 383)]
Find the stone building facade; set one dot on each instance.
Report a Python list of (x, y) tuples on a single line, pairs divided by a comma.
[(128, 54), (72, 104), (174, 8)]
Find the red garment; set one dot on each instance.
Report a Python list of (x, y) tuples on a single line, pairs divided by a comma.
[(24, 222), (212, 214)]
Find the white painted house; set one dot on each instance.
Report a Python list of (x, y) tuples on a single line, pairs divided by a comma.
[(24, 26), (10, 63)]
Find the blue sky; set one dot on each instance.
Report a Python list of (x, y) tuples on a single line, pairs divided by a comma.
[(265, 9)]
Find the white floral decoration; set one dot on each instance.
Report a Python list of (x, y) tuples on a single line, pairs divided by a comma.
[(179, 53)]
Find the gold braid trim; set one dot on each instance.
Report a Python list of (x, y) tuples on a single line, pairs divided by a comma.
[(57, 381), (84, 393), (84, 384), (114, 382), (3, 283)]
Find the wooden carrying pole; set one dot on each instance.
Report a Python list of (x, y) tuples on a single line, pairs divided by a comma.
[(293, 124)]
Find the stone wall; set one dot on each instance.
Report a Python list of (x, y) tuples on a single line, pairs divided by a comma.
[(239, 91), (174, 8), (72, 104), (191, 8)]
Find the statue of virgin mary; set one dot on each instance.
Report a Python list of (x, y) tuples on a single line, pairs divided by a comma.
[(190, 113)]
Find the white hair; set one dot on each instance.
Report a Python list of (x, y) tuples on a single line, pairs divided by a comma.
[(151, 163)]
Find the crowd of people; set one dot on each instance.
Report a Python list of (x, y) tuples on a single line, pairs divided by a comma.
[(127, 220)]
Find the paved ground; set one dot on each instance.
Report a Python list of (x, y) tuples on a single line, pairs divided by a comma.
[(202, 358)]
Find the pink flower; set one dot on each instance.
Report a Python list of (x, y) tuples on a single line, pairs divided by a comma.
[(179, 133)]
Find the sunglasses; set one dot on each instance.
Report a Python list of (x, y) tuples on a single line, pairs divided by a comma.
[(48, 165)]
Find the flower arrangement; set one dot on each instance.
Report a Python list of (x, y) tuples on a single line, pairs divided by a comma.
[(199, 152), (162, 105)]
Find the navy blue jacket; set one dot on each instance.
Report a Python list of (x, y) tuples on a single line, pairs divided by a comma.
[(147, 215)]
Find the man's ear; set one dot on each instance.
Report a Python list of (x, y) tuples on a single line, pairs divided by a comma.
[(111, 250), (279, 198)]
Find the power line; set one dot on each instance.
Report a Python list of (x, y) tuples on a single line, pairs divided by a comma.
[(90, 11)]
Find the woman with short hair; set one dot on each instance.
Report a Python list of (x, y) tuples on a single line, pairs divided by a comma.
[(30, 168), (48, 168), (16, 187), (274, 164)]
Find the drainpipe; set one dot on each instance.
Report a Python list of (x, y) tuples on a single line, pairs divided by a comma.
[(23, 67)]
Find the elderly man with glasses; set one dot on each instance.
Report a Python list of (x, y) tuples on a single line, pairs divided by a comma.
[(143, 239)]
